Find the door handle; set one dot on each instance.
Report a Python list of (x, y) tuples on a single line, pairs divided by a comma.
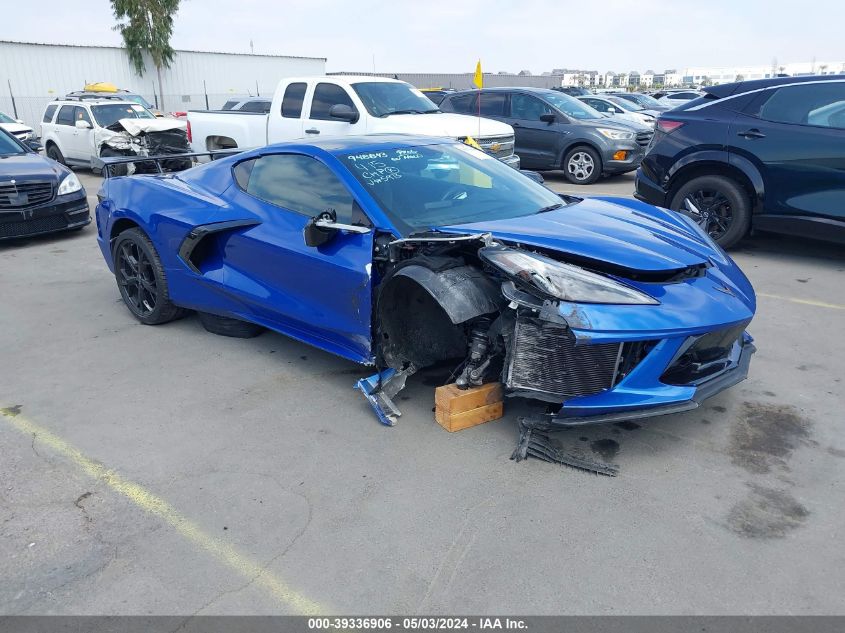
[(312, 130), (752, 133)]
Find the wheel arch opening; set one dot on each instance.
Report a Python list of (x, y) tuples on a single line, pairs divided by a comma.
[(713, 168)]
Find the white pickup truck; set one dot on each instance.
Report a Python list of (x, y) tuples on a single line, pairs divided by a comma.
[(340, 105)]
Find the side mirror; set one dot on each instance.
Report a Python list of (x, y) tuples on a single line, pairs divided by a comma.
[(323, 228), (548, 118), (344, 113), (82, 125), (19, 121)]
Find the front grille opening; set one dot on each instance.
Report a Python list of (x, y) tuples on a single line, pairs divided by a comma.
[(707, 356), (25, 194), (20, 228)]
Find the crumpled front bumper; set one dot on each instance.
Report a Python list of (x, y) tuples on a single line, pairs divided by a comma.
[(685, 398)]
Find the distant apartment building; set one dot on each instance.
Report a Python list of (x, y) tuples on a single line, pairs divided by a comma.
[(693, 76)]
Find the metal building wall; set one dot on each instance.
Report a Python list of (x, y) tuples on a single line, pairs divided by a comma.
[(39, 73), (462, 81)]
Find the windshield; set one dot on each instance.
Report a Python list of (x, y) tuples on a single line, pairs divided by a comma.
[(383, 98), (646, 100), (9, 146), (626, 105), (107, 115), (420, 188), (571, 106), (5, 118), (139, 99)]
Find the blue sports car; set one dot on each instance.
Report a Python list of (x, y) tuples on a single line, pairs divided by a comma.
[(403, 252)]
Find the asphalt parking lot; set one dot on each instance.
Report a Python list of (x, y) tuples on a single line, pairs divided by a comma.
[(162, 470)]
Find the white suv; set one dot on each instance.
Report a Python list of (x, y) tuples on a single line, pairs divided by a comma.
[(76, 132)]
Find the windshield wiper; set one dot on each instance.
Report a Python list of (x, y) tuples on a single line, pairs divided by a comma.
[(411, 112), (551, 207)]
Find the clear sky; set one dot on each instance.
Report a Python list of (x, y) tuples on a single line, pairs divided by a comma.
[(450, 35)]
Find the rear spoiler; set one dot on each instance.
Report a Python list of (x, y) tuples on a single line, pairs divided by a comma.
[(105, 164)]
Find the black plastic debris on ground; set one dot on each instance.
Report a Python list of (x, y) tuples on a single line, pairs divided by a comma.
[(534, 441)]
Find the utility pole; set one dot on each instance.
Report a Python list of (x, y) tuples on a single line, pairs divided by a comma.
[(251, 48)]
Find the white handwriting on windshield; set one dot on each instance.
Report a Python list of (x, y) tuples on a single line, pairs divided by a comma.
[(377, 172)]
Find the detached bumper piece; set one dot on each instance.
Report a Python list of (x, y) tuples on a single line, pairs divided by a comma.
[(534, 441), (379, 389)]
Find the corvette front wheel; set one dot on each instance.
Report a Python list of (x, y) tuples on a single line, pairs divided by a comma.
[(141, 279)]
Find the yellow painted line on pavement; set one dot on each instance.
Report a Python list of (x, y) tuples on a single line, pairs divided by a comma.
[(155, 505), (808, 302)]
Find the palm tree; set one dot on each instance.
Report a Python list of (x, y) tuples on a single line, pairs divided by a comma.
[(146, 27)]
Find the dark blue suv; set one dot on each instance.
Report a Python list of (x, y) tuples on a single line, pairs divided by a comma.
[(766, 154)]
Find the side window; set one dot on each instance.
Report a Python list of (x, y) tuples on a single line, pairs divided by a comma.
[(810, 104), (65, 115), (298, 183), (81, 114), (325, 96), (292, 101), (492, 104), (231, 103), (464, 104), (601, 106), (254, 106), (48, 113), (527, 108)]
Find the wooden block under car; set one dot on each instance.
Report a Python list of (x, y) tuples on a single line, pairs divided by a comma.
[(456, 409)]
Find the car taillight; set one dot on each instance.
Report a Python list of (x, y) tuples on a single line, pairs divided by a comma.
[(668, 125), (190, 140)]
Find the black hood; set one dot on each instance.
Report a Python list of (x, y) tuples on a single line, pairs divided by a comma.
[(30, 166)]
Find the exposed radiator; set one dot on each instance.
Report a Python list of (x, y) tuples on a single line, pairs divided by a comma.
[(544, 358)]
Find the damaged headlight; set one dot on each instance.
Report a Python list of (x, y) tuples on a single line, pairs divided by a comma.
[(563, 281), (70, 184)]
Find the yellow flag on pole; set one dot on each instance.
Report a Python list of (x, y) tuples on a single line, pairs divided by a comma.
[(478, 78)]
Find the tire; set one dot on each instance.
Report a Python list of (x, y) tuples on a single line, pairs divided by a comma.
[(582, 165), (141, 279), (116, 170), (227, 326), (719, 204), (55, 153)]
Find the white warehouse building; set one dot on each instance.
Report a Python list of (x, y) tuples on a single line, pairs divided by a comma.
[(31, 75)]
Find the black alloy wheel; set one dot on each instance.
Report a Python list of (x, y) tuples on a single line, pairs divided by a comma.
[(141, 279), (718, 204)]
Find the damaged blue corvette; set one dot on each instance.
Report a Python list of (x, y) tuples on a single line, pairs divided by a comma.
[(404, 252)]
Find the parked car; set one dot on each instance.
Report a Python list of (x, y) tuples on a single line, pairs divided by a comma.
[(619, 109), (641, 99), (18, 129), (766, 154), (81, 131), (573, 91), (339, 105), (436, 94), (401, 252), (115, 94), (556, 131), (37, 195), (249, 104), (675, 98)]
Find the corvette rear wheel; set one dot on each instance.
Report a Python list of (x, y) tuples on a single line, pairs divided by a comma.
[(141, 279)]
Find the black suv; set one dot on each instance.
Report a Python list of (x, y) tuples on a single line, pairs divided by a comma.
[(766, 154), (555, 131)]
